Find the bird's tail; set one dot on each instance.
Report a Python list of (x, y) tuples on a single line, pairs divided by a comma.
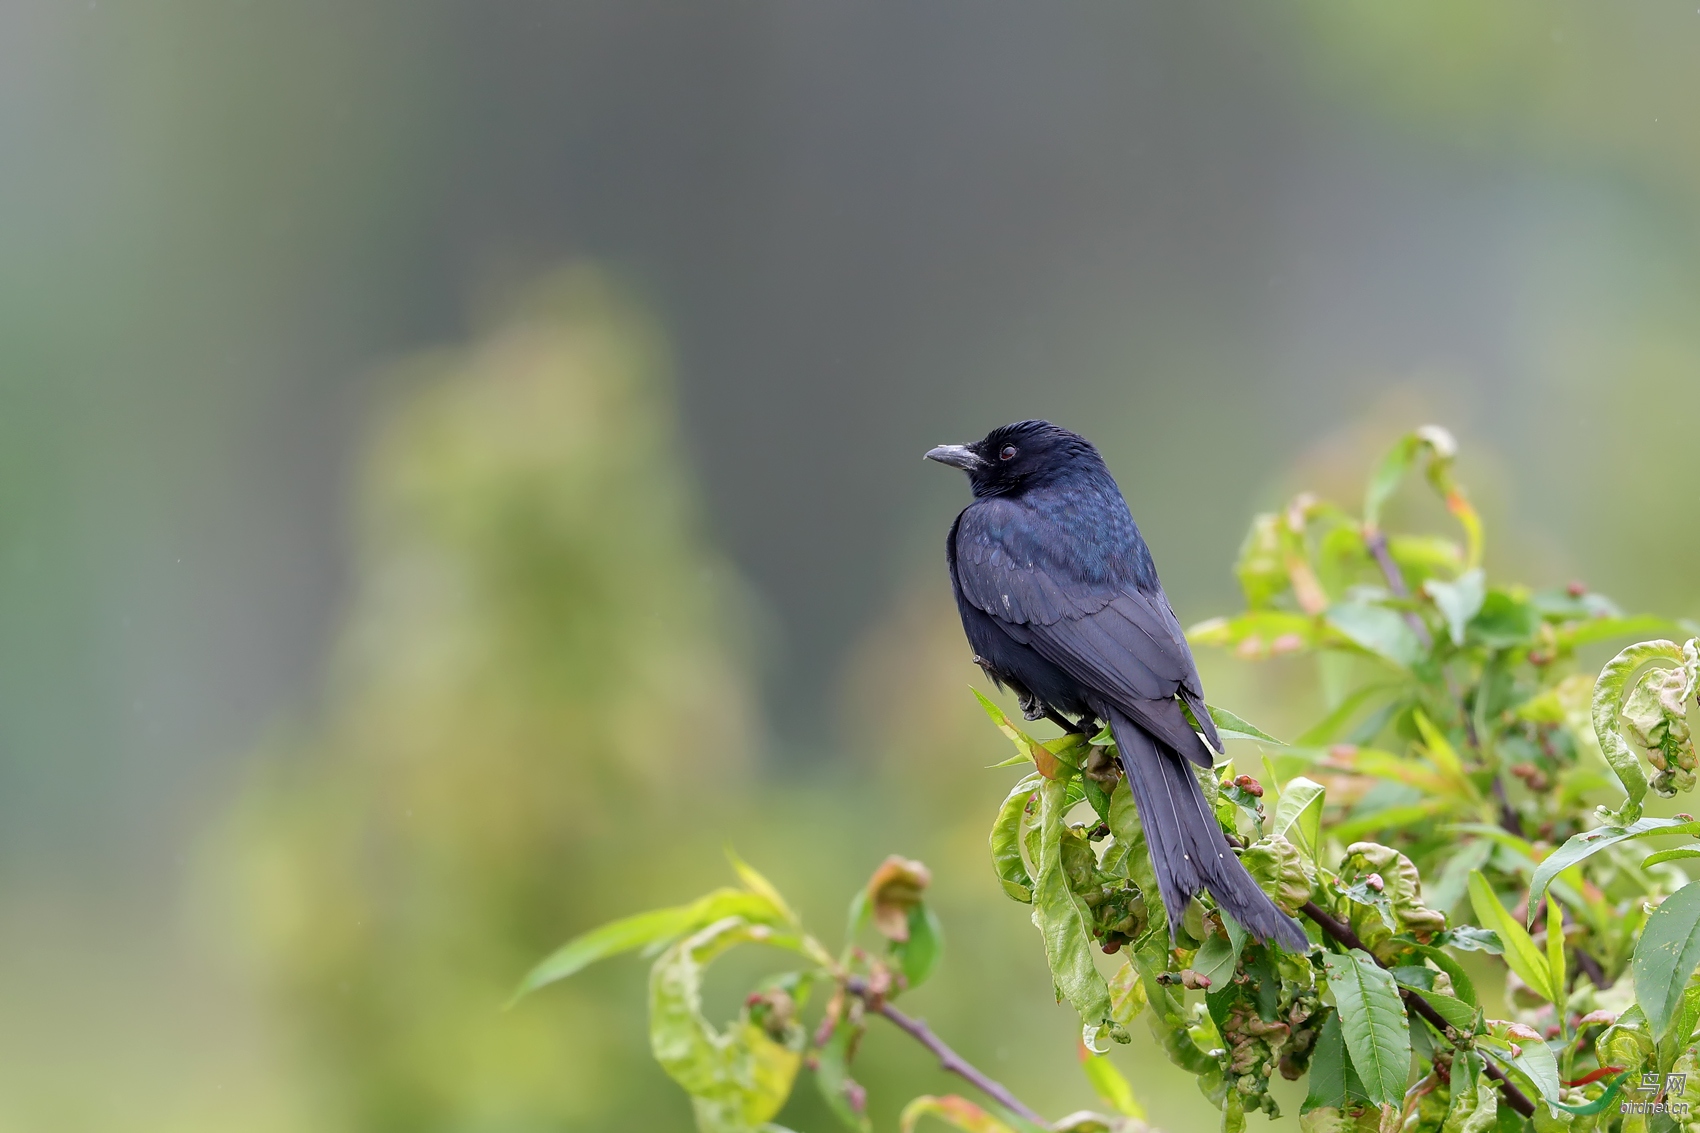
[(1188, 850)]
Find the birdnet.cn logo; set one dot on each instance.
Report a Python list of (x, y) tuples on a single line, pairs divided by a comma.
[(1650, 1084)]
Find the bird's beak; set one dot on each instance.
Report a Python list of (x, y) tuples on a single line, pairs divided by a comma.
[(957, 456)]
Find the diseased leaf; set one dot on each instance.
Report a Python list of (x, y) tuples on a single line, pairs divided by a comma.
[(1520, 951), (1582, 846), (1127, 994), (1006, 840), (894, 889), (1064, 922), (1373, 1024), (738, 1078), (1232, 727), (643, 929), (1608, 701), (956, 1112), (1377, 629), (1666, 956)]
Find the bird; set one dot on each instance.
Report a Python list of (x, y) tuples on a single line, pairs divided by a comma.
[(1060, 601)]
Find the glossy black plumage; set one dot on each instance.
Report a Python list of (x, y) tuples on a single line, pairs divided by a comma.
[(1060, 601)]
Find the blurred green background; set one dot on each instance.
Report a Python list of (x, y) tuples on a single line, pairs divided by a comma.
[(460, 466)]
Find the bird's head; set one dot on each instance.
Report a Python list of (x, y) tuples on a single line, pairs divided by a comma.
[(1013, 458)]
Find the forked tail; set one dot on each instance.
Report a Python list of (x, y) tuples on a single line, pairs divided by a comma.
[(1188, 850)]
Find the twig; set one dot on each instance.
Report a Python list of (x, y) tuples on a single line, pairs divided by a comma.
[(1343, 933), (1377, 543), (948, 1059)]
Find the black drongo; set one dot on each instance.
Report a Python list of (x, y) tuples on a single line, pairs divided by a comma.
[(1061, 604)]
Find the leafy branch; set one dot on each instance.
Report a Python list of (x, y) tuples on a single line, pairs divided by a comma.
[(1468, 789)]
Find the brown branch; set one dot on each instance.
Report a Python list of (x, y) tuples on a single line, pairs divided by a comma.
[(1343, 933), (952, 1062)]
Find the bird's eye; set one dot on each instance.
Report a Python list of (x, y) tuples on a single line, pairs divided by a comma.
[(1008, 453)]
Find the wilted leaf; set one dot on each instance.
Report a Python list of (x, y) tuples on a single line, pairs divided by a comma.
[(1373, 1023), (1666, 956), (738, 1078), (1064, 922), (956, 1112), (1520, 951), (656, 926), (894, 889)]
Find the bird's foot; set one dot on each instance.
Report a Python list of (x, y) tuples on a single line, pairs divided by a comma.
[(1032, 708)]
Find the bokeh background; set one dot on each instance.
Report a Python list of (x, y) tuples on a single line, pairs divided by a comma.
[(460, 466)]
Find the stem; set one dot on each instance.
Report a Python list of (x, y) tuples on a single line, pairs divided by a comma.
[(948, 1059), (1377, 543), (1343, 934)]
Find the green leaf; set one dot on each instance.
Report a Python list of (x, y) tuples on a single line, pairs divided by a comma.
[(1530, 1056), (1298, 814), (1215, 961), (1458, 600), (756, 883), (919, 956), (1577, 634), (1324, 730), (1373, 1024), (643, 929), (1555, 949), (1232, 727), (738, 1078), (1052, 758), (1580, 847), (1666, 955), (956, 1112), (1462, 986), (1064, 922), (1520, 951), (1504, 621), (1006, 840), (1377, 629), (1444, 756), (1328, 1068), (1109, 1084), (832, 1077), (1677, 854), (1458, 1014)]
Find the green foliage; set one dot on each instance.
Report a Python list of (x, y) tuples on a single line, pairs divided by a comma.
[(1461, 754)]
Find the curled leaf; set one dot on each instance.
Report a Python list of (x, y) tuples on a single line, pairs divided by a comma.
[(737, 1078), (1064, 922), (1005, 840), (1609, 693), (1280, 870), (894, 889)]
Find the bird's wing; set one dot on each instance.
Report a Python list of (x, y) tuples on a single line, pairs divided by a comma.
[(1122, 642)]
